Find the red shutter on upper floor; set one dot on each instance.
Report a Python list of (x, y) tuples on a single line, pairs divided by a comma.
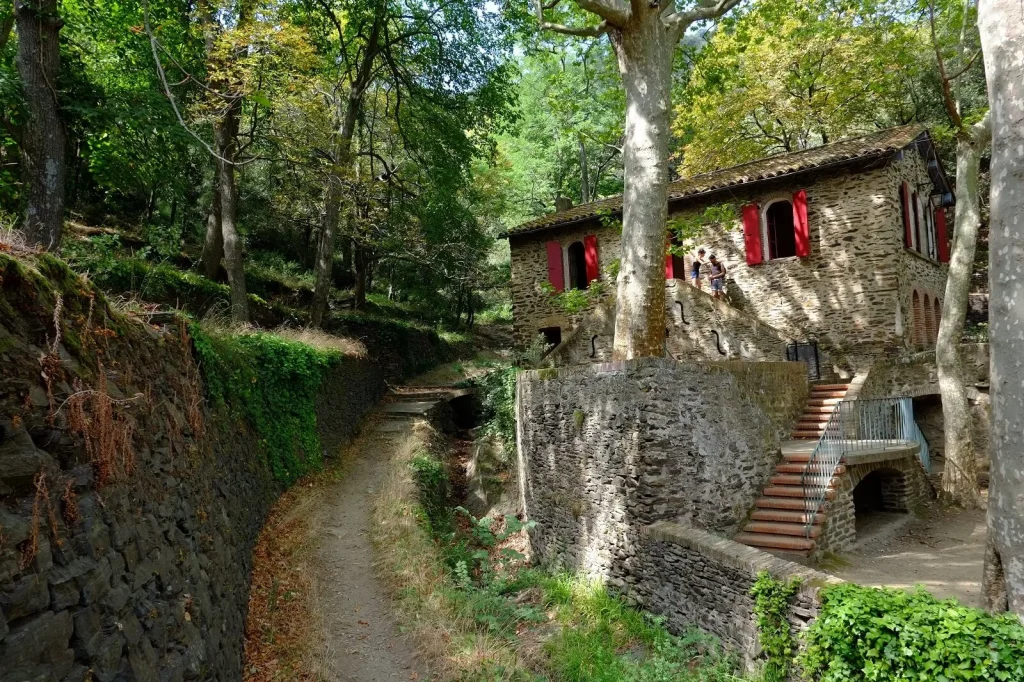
[(555, 272), (940, 235), (908, 231), (801, 228), (752, 234), (670, 264), (590, 252)]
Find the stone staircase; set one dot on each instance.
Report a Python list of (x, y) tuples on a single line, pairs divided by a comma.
[(779, 521), (820, 404)]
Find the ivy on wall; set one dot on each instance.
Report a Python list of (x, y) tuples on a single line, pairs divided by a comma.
[(771, 604), (272, 384)]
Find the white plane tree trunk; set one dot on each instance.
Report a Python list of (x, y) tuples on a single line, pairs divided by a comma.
[(960, 476), (1001, 23)]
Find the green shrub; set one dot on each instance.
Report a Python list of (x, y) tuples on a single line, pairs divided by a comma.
[(892, 635), (498, 389), (771, 604), (432, 489), (272, 384)]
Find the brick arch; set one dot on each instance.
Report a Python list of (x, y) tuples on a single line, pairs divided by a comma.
[(929, 320), (917, 325)]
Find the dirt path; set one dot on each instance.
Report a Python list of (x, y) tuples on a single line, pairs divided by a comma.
[(943, 550), (362, 640)]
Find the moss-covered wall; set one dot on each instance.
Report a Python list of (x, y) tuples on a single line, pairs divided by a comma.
[(134, 480)]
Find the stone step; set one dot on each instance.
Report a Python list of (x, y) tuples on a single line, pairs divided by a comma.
[(830, 387), (806, 434), (805, 466), (799, 479), (785, 542), (787, 503), (819, 409), (796, 491), (783, 528), (784, 516), (823, 402), (820, 395), (797, 456), (815, 417), (811, 425)]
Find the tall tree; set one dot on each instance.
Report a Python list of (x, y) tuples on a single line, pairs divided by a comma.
[(645, 36), (43, 136), (1001, 23), (960, 475)]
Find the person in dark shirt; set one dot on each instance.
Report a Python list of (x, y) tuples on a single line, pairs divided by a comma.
[(695, 268), (717, 276)]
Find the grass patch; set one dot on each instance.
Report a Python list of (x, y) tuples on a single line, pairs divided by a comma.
[(481, 613)]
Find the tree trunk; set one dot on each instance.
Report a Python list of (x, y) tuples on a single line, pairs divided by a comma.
[(213, 246), (960, 477), (584, 173), (1001, 24), (226, 135), (644, 52), (43, 137)]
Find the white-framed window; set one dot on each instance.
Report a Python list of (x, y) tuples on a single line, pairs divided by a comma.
[(778, 229)]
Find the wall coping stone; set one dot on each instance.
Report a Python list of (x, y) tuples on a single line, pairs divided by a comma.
[(619, 366), (740, 557)]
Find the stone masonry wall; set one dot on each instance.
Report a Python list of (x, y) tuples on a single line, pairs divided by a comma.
[(692, 330), (607, 449), (143, 576), (851, 294), (694, 578)]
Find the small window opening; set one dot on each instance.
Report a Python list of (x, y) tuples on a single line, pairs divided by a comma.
[(552, 335), (577, 256), (781, 231)]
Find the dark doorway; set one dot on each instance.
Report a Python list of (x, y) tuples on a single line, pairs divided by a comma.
[(577, 266), (552, 335), (781, 231), (878, 495)]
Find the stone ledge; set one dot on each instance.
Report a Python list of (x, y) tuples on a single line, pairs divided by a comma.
[(740, 557)]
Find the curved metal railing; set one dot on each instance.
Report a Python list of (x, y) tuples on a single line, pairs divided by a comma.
[(856, 426)]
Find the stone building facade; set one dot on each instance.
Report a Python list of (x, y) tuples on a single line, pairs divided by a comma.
[(826, 245)]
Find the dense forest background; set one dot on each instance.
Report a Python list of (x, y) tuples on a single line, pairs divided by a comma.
[(385, 144)]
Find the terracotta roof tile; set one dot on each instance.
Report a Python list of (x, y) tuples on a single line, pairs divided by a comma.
[(876, 144)]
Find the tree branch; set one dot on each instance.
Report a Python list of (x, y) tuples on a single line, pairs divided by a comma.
[(947, 92), (612, 11), (705, 9), (578, 31)]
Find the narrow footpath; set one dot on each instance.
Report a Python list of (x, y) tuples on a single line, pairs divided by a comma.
[(362, 639)]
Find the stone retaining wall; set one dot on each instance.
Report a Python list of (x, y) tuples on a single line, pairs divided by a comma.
[(609, 448), (694, 578), (144, 576)]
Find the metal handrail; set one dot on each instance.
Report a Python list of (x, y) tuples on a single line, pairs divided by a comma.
[(854, 426)]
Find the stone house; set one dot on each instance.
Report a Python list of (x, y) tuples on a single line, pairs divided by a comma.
[(845, 245), (842, 249)]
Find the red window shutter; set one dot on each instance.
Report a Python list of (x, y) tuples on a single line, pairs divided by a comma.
[(670, 265), (940, 235), (908, 234), (555, 273), (752, 234), (801, 228), (590, 252)]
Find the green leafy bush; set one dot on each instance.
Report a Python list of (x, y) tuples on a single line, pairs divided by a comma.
[(498, 389), (272, 384), (771, 604), (889, 635)]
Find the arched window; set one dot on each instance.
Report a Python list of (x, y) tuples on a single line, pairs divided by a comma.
[(917, 334), (929, 321), (577, 256), (938, 316), (780, 230)]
